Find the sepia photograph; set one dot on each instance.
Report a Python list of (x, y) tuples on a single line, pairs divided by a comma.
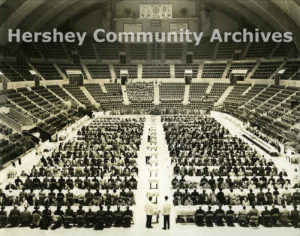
[(149, 117)]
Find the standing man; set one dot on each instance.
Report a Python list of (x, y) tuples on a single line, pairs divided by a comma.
[(149, 212), (166, 209)]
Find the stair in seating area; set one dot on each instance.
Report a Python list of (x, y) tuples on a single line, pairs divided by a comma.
[(60, 72), (89, 96), (139, 71), (227, 68), (71, 95), (125, 95), (86, 71), (253, 70), (156, 94), (103, 88), (172, 71), (186, 94), (210, 85), (224, 95), (200, 70), (112, 71)]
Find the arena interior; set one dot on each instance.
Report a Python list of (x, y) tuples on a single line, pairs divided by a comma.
[(88, 133)]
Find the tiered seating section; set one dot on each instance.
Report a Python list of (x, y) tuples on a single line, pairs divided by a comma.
[(156, 71), (171, 94), (265, 70), (47, 71), (213, 70), (132, 70), (12, 144), (180, 68), (141, 95), (99, 71), (77, 93), (230, 183), (89, 182)]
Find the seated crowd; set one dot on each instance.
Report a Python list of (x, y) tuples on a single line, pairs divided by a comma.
[(75, 182), (213, 168)]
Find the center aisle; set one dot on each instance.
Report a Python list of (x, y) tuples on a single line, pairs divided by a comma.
[(165, 167)]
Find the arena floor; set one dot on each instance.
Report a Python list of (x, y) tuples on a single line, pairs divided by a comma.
[(165, 176)]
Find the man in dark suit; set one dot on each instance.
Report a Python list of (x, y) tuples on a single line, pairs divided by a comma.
[(14, 216), (166, 209)]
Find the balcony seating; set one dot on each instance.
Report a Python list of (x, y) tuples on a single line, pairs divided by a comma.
[(77, 93), (156, 71), (132, 70), (10, 73), (180, 68), (213, 70), (48, 71), (99, 71), (265, 70)]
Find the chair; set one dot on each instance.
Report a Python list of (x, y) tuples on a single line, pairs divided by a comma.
[(243, 220), (230, 219), (199, 219), (219, 219), (3, 220), (99, 224), (275, 219), (108, 221), (266, 220), (209, 219), (80, 220), (69, 220), (118, 220), (127, 221), (253, 220), (14, 220)]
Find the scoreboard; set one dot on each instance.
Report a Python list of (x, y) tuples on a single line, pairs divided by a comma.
[(155, 11)]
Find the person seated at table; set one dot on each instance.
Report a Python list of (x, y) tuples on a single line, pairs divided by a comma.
[(219, 216), (70, 197), (108, 217), (88, 197), (58, 218), (10, 186), (295, 216), (99, 218), (275, 214), (230, 218), (118, 217), (89, 218), (253, 216), (266, 217), (188, 202), (14, 216), (69, 216), (80, 214), (3, 217), (209, 217), (199, 216), (36, 217), (296, 197), (46, 218), (284, 216), (25, 217), (128, 217), (243, 217)]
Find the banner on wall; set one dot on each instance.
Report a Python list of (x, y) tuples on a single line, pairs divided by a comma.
[(156, 11)]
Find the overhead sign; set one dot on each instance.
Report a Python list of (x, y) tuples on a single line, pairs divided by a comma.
[(156, 11)]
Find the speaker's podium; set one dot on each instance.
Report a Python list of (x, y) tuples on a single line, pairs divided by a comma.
[(188, 75), (75, 77), (123, 76)]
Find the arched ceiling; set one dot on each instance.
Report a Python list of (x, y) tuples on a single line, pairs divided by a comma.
[(35, 15)]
